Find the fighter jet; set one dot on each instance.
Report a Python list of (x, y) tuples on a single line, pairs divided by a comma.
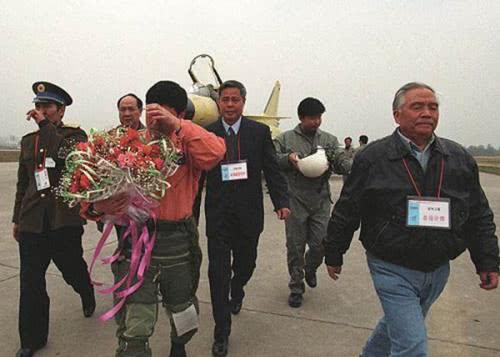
[(269, 116), (202, 104)]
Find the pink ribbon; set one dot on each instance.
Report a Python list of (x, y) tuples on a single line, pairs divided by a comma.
[(140, 259)]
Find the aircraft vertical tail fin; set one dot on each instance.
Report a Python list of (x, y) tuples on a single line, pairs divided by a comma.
[(271, 108)]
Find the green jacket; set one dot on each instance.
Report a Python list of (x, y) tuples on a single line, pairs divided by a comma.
[(295, 141), (35, 211)]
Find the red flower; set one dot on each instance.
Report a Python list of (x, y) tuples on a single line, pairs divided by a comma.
[(124, 141), (84, 182), (158, 163), (132, 134), (74, 187), (99, 141), (147, 149), (136, 145), (82, 146), (155, 151), (126, 160)]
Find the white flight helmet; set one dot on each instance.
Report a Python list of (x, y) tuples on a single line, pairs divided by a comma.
[(314, 165)]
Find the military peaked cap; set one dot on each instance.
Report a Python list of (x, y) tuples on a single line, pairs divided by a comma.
[(46, 92)]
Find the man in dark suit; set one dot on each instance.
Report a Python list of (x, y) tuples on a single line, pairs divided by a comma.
[(234, 208)]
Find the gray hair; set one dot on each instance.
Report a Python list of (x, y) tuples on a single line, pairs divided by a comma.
[(399, 97), (234, 84)]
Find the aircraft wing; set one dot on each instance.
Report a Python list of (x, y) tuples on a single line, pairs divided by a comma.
[(271, 121)]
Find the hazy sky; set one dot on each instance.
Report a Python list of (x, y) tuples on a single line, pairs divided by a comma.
[(353, 55)]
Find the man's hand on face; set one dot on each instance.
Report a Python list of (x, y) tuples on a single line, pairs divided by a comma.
[(161, 119), (36, 115)]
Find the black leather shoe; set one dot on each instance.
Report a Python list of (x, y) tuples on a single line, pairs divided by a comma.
[(219, 348), (29, 351), (177, 350), (295, 300), (88, 303), (236, 307), (311, 280), (25, 352)]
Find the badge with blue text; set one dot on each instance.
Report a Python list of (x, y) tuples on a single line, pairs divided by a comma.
[(42, 179), (234, 171), (428, 212)]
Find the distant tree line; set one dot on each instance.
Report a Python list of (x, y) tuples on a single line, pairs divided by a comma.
[(9, 142), (482, 150)]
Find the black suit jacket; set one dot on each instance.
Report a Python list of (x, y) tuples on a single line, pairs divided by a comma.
[(243, 199)]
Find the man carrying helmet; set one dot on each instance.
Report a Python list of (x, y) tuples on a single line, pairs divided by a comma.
[(310, 201)]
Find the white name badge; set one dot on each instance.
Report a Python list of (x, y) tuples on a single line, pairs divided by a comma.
[(234, 171), (428, 212), (50, 163), (42, 179), (186, 320)]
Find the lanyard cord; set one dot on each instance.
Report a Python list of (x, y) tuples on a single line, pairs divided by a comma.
[(441, 177), (37, 141)]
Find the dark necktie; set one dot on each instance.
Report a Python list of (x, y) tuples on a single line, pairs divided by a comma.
[(231, 145)]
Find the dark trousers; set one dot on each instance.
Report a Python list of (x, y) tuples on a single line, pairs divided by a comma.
[(64, 248), (244, 254)]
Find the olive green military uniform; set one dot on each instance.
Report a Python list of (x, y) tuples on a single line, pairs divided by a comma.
[(48, 229), (171, 279), (310, 202)]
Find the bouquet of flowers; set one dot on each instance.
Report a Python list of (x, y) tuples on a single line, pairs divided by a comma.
[(110, 163)]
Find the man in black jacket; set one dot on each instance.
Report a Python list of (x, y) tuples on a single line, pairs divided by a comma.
[(234, 208), (420, 204)]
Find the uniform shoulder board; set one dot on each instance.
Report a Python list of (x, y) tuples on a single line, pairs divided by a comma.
[(72, 125), (32, 133)]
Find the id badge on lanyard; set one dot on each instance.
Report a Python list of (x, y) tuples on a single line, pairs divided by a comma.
[(233, 171), (430, 212), (42, 179), (427, 212)]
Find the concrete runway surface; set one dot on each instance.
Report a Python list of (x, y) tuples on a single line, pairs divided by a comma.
[(335, 319)]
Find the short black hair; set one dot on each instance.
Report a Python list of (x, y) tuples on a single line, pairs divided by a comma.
[(310, 106), (139, 101), (234, 84), (168, 93), (347, 138), (363, 139)]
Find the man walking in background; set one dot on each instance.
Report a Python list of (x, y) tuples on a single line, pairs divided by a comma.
[(310, 201)]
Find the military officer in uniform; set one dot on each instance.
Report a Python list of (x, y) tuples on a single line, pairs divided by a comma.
[(44, 226)]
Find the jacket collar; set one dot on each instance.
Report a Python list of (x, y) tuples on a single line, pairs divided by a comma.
[(398, 150), (222, 131), (298, 131)]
